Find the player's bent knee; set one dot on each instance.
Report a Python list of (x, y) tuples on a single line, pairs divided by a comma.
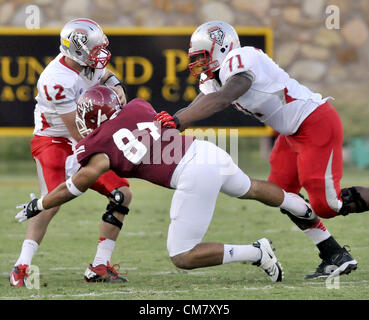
[(116, 205), (183, 260), (127, 195), (250, 193), (178, 261), (255, 191), (187, 260)]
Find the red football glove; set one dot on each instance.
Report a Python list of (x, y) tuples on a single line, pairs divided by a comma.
[(167, 121)]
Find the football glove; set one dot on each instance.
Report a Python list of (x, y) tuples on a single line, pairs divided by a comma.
[(167, 121), (29, 209)]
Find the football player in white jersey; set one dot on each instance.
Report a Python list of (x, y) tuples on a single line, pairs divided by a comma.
[(308, 151), (81, 64)]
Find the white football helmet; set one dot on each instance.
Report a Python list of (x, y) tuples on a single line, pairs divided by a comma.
[(84, 41), (209, 45)]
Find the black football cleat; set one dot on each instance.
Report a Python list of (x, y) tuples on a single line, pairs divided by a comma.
[(337, 264)]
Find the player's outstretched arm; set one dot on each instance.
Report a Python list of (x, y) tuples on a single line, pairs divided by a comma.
[(189, 106), (205, 106), (66, 191), (209, 104), (168, 121)]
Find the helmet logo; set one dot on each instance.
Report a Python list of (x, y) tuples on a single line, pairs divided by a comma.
[(217, 34), (85, 106), (79, 38)]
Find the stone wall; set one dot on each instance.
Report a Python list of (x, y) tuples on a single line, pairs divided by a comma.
[(334, 62)]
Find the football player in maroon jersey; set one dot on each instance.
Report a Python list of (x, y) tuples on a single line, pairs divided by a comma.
[(130, 142)]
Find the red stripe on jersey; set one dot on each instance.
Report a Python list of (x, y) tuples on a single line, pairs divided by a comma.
[(45, 124), (287, 97), (62, 61)]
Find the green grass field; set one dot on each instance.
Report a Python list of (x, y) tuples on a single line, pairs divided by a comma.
[(70, 245)]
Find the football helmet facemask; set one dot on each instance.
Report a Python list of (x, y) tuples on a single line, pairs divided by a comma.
[(209, 45), (84, 41), (95, 106)]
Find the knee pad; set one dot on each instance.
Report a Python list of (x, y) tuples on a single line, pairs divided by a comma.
[(109, 218), (115, 205), (350, 197)]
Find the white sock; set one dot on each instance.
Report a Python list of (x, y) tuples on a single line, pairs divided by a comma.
[(29, 249), (241, 253), (104, 251), (317, 233), (293, 203)]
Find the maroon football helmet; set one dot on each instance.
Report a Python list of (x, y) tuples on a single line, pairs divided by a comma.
[(95, 105)]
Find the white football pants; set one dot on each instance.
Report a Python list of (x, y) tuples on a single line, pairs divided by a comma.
[(204, 171)]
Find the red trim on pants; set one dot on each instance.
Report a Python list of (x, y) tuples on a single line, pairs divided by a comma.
[(51, 153), (109, 181), (51, 156)]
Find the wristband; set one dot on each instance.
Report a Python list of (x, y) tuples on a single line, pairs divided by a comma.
[(72, 188), (112, 81)]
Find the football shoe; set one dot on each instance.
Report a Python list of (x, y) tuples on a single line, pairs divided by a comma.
[(18, 275), (103, 273), (268, 261), (335, 265)]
